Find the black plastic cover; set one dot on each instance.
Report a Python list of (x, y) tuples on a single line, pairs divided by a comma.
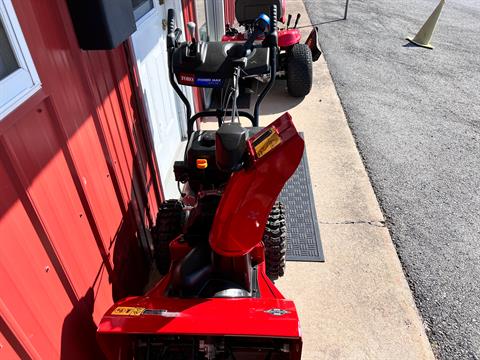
[(230, 144), (102, 24), (200, 146), (213, 62)]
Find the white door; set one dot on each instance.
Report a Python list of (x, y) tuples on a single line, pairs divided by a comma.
[(165, 112)]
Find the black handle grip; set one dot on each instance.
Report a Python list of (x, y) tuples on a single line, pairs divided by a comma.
[(171, 43), (171, 21), (273, 38), (296, 20), (289, 20), (273, 18), (272, 41)]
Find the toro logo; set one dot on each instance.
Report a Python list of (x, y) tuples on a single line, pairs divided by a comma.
[(187, 79)]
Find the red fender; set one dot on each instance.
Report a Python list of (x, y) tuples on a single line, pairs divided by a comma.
[(240, 220), (288, 37)]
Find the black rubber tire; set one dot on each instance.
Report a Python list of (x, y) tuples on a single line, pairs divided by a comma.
[(167, 227), (275, 241), (299, 70)]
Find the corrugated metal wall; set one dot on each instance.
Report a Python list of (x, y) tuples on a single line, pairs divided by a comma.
[(78, 188), (229, 12)]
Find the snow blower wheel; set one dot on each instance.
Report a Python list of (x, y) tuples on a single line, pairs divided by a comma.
[(299, 70), (168, 226), (275, 240)]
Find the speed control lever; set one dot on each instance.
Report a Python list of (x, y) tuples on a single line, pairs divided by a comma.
[(191, 26)]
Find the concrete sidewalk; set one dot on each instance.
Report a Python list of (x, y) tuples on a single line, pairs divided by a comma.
[(356, 305)]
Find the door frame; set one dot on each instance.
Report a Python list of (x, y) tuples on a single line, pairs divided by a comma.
[(192, 96)]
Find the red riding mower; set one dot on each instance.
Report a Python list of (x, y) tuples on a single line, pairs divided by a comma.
[(295, 59), (225, 238)]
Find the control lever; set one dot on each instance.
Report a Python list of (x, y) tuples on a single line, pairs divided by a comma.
[(261, 25), (178, 34), (191, 26), (289, 20), (296, 20)]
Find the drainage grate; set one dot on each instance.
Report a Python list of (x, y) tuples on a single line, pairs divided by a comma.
[(303, 234)]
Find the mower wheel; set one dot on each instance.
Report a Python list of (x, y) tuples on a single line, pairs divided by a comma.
[(168, 226), (299, 70), (275, 241)]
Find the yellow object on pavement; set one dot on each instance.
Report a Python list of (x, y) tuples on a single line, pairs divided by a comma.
[(424, 36)]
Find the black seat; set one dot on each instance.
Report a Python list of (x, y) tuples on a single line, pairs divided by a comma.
[(247, 11)]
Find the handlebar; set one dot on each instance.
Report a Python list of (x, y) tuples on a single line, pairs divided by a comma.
[(172, 40), (171, 29), (271, 41)]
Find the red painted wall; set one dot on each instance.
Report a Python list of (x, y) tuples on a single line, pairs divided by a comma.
[(229, 12), (78, 188)]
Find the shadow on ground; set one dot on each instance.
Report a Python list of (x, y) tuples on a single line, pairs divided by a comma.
[(278, 100)]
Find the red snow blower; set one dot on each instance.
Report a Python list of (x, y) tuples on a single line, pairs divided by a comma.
[(223, 243)]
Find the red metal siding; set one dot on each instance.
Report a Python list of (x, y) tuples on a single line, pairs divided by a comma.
[(229, 12), (78, 187)]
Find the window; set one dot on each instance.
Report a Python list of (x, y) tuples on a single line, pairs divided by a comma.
[(18, 77), (8, 63), (141, 7)]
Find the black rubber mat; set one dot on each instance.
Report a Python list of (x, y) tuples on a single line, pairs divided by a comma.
[(303, 234)]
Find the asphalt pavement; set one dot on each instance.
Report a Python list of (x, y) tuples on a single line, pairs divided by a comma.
[(415, 115)]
